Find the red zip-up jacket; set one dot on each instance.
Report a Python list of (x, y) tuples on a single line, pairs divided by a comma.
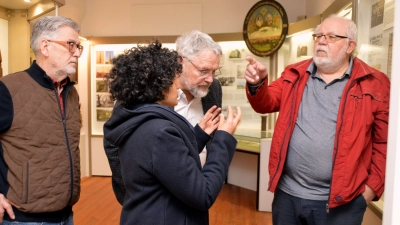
[(359, 151)]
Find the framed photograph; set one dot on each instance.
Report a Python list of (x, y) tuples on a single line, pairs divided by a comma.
[(226, 81), (235, 54), (377, 13), (241, 69), (104, 100), (265, 27), (109, 56), (101, 86), (102, 70), (301, 50), (103, 115)]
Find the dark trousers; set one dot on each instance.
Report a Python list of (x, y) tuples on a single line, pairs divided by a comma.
[(290, 210)]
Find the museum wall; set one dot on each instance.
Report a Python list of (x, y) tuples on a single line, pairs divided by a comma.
[(315, 7), (18, 46), (166, 17), (98, 18)]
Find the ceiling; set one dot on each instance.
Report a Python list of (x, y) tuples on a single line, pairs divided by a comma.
[(17, 4)]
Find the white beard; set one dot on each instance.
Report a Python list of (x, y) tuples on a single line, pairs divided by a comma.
[(329, 64), (196, 91)]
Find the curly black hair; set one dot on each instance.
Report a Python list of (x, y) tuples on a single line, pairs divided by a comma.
[(142, 73)]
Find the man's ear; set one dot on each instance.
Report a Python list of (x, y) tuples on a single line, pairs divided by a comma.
[(352, 46), (44, 47)]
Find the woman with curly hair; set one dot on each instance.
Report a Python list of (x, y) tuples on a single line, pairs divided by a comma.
[(159, 149)]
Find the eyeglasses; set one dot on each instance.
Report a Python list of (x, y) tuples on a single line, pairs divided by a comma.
[(205, 73), (72, 46), (328, 37)]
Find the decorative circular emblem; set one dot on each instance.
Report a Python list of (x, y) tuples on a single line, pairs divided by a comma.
[(265, 27)]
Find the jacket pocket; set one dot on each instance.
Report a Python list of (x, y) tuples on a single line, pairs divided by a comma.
[(362, 110), (25, 182)]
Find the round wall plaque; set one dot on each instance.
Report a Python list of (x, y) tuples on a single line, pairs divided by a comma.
[(265, 27)]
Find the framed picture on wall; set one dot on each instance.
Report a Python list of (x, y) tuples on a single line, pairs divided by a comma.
[(265, 27)]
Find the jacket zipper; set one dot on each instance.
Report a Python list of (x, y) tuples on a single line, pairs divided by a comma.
[(63, 116), (287, 131), (337, 141), (27, 182)]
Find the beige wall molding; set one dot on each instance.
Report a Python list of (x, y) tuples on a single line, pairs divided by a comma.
[(5, 13), (43, 7), (34, 11)]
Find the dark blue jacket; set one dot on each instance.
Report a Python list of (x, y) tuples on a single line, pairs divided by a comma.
[(214, 97), (159, 154)]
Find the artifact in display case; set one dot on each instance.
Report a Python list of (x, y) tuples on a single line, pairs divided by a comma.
[(101, 101), (232, 67), (375, 37)]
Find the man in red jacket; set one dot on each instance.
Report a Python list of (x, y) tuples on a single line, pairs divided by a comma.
[(328, 152)]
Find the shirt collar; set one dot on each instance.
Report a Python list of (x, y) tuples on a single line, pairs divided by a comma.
[(182, 96), (60, 84)]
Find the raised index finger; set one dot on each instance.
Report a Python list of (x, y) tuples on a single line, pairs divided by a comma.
[(251, 60)]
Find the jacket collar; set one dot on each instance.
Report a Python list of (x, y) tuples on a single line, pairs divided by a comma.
[(40, 76), (361, 69), (298, 68)]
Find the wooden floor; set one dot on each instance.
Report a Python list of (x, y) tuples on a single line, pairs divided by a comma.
[(234, 205)]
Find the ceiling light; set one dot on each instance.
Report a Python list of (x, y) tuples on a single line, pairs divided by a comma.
[(27, 0)]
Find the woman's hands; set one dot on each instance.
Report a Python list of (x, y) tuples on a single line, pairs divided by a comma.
[(213, 120), (210, 120), (232, 120)]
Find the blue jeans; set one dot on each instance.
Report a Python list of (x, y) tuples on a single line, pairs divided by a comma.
[(68, 221), (290, 210)]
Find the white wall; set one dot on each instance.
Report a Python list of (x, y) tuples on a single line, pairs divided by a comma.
[(391, 214), (222, 16), (4, 45), (315, 7), (82, 87)]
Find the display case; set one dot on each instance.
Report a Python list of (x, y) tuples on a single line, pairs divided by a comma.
[(375, 33), (232, 63), (375, 40)]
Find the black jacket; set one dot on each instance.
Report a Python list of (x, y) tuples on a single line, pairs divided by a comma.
[(214, 97), (159, 155)]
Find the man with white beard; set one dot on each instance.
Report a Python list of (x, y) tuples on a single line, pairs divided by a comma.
[(328, 152)]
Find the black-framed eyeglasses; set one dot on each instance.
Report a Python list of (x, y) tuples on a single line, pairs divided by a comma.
[(328, 37), (205, 73), (72, 46)]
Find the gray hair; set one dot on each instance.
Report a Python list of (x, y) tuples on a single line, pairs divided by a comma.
[(47, 28), (351, 31), (192, 43)]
